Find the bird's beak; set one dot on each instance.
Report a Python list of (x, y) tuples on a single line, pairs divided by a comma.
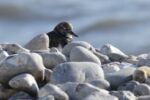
[(74, 34)]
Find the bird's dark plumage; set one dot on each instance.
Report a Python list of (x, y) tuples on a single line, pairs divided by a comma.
[(61, 35)]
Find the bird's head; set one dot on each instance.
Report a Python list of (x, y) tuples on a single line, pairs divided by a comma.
[(65, 29)]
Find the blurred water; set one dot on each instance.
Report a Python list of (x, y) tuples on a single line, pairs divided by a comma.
[(123, 23)]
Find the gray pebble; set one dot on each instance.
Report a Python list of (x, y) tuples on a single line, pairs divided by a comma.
[(143, 62), (50, 89), (123, 95), (87, 91), (22, 63), (147, 97), (21, 96), (76, 72), (131, 59), (70, 89), (101, 83), (50, 60), (113, 53), (67, 49), (98, 96), (81, 54), (111, 67), (103, 58), (49, 97), (142, 90), (129, 86), (40, 42), (14, 48), (120, 77), (25, 82)]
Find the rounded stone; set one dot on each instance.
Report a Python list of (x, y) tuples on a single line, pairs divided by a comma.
[(126, 65), (81, 54), (49, 97), (14, 48), (22, 63), (67, 49), (111, 67), (86, 91), (141, 74), (70, 89), (113, 53), (50, 60), (20, 95), (147, 97), (25, 82), (118, 78), (101, 83), (50, 89), (76, 72), (103, 58), (142, 90), (123, 95), (129, 86), (132, 59), (40, 42), (143, 62), (99, 96)]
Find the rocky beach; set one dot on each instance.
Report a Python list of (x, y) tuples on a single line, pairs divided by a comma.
[(79, 71)]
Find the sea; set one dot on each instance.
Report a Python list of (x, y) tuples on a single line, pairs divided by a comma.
[(122, 23)]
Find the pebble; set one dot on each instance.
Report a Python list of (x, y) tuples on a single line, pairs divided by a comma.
[(129, 86), (51, 89), (49, 97), (67, 49), (126, 65), (25, 82), (132, 59), (40, 42), (143, 62), (141, 74), (101, 83), (21, 96), (113, 53), (14, 48), (76, 72), (103, 58), (81, 54), (86, 91), (147, 97), (98, 96), (52, 59), (118, 78), (21, 63), (111, 67), (123, 95), (70, 89), (142, 90)]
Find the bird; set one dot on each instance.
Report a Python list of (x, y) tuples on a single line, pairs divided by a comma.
[(61, 35)]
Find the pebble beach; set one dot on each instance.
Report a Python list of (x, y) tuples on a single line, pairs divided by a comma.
[(79, 71)]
